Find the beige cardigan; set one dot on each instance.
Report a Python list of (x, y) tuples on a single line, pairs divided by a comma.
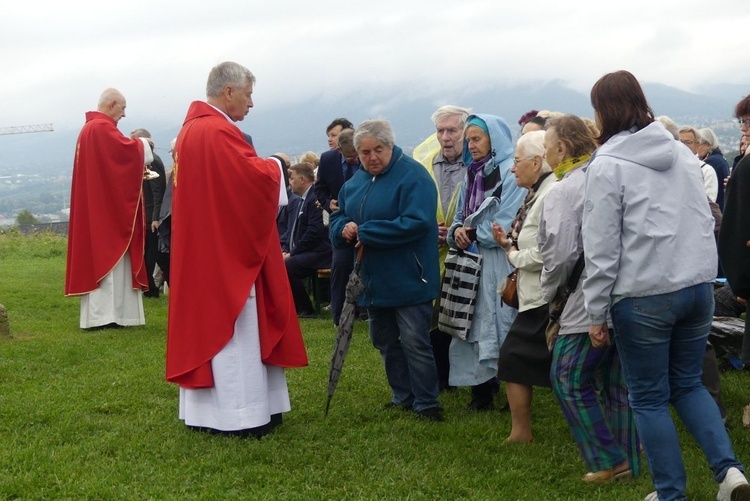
[(527, 259)]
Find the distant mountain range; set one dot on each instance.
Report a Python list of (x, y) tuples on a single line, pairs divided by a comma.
[(300, 127)]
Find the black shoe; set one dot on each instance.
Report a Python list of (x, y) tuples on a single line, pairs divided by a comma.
[(257, 432), (393, 405), (307, 314), (111, 325), (153, 294), (445, 387), (434, 414), (481, 405)]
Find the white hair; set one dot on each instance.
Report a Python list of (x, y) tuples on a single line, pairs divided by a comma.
[(450, 110), (669, 124), (708, 136), (532, 145), (108, 96)]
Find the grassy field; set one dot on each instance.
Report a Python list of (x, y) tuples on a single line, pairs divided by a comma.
[(89, 415)]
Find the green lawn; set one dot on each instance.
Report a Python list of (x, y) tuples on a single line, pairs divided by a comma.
[(89, 415)]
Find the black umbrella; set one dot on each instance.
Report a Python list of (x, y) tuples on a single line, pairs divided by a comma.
[(346, 325)]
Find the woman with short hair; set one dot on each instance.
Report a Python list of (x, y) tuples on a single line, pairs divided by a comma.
[(598, 415), (388, 209)]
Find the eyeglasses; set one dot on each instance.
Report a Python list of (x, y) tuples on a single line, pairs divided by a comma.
[(516, 161), (687, 142), (744, 121)]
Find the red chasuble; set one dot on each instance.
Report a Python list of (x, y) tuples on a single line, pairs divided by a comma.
[(224, 240), (106, 211)]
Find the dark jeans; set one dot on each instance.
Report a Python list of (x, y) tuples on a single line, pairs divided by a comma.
[(746, 338), (711, 380), (341, 267), (402, 335), (441, 343), (162, 259), (151, 249), (299, 267)]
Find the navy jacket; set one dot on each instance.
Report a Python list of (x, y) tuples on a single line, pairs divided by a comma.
[(306, 232), (718, 162), (330, 178)]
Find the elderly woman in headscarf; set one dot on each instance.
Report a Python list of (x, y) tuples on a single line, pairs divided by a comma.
[(524, 359), (489, 193), (598, 415)]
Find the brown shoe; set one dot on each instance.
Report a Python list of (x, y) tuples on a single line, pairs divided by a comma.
[(608, 475)]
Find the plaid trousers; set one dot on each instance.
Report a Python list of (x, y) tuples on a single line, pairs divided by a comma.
[(590, 388)]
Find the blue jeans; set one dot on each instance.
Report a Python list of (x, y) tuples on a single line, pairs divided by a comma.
[(402, 335), (662, 341)]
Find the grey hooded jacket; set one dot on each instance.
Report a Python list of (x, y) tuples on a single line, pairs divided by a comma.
[(647, 227)]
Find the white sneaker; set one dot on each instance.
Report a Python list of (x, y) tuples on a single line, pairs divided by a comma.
[(734, 487), (651, 497)]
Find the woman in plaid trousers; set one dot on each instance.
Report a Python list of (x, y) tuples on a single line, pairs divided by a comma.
[(587, 381)]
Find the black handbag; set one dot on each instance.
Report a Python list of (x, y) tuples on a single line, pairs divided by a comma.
[(557, 305)]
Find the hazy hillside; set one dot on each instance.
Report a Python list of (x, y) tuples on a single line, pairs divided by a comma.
[(300, 126)]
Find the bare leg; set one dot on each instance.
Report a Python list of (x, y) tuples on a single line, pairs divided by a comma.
[(519, 399)]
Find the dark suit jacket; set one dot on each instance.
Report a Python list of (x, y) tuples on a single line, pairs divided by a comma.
[(330, 178), (284, 217), (153, 191), (306, 232)]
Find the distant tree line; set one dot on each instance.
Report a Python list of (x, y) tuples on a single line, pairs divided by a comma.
[(25, 217)]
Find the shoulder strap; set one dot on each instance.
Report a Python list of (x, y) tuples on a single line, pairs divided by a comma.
[(577, 270)]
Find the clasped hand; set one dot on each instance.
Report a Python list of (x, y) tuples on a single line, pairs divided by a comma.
[(599, 336), (350, 232), (461, 237)]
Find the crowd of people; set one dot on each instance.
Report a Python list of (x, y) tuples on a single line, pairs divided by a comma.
[(621, 225)]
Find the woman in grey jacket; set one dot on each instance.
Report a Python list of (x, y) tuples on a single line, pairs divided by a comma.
[(601, 422), (650, 260)]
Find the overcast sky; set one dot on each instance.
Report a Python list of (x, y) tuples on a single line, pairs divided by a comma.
[(57, 56)]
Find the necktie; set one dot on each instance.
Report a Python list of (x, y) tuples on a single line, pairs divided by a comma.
[(293, 239)]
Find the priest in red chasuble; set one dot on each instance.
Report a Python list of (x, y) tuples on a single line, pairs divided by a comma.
[(233, 328), (106, 230)]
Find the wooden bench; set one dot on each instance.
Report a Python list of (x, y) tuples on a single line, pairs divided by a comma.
[(320, 282)]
